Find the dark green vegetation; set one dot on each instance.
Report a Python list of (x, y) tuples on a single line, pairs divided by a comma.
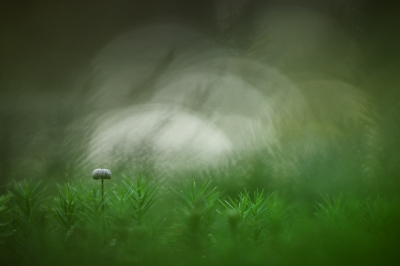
[(193, 222)]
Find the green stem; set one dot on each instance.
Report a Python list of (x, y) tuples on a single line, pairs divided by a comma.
[(102, 205), (102, 195)]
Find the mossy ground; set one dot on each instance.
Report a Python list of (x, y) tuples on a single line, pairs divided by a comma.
[(197, 219)]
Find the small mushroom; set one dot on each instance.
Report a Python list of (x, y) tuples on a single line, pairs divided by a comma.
[(101, 174)]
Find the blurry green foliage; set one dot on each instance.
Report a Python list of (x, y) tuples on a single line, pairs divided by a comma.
[(196, 224)]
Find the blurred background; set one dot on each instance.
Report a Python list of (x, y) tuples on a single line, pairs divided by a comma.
[(305, 91)]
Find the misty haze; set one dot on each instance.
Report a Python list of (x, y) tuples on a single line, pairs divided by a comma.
[(300, 97)]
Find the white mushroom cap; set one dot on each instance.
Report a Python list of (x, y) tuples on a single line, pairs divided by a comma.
[(101, 174)]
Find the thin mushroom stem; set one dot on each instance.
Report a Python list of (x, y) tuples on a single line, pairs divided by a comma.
[(102, 195), (102, 174)]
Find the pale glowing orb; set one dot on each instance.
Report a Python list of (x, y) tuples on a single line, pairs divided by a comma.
[(165, 135)]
